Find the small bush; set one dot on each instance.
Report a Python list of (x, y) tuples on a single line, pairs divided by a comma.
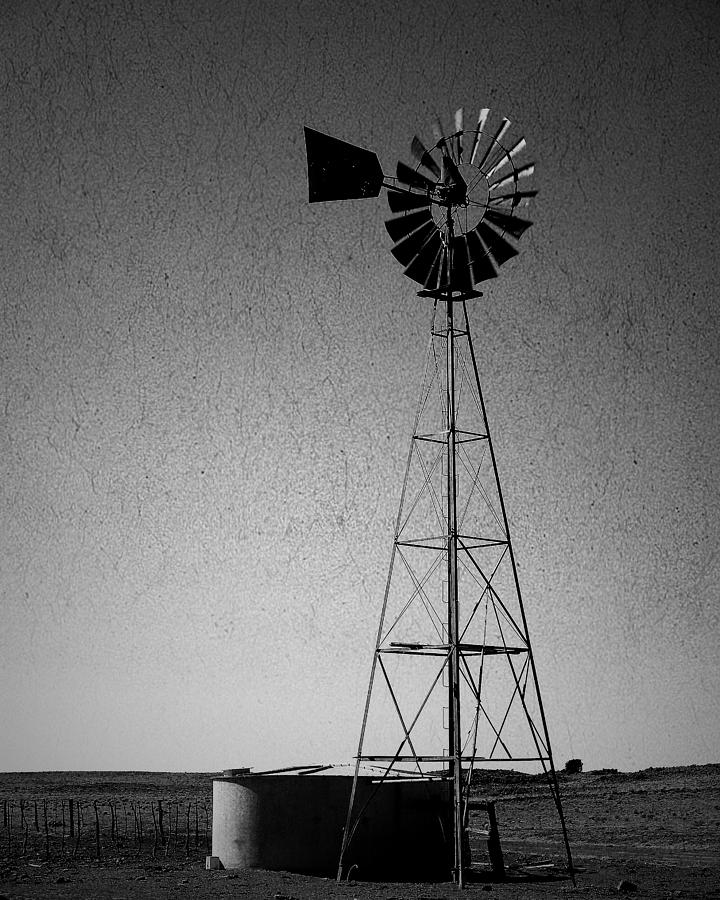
[(573, 767)]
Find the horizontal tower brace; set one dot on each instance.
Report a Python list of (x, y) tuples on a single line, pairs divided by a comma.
[(461, 437), (440, 759), (444, 333), (441, 541), (444, 649)]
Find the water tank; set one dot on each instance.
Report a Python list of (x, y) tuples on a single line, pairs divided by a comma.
[(294, 821)]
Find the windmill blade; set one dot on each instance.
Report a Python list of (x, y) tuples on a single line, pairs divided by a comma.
[(406, 251), (517, 198), (510, 224), (500, 249), (506, 157), (401, 227), (493, 161), (504, 125), (401, 201), (409, 176), (523, 172), (338, 170), (421, 268), (482, 265), (451, 177), (459, 116), (445, 145), (438, 132), (422, 155), (431, 282), (482, 119), (500, 133)]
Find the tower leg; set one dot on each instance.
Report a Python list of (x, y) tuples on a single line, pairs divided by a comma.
[(551, 773)]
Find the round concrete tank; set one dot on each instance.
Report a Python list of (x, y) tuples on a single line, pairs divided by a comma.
[(294, 822)]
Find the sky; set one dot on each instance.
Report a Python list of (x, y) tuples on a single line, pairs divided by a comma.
[(208, 385)]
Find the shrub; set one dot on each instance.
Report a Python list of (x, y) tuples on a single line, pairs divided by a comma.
[(573, 767)]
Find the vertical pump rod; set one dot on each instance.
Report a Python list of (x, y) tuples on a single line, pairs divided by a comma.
[(454, 732)]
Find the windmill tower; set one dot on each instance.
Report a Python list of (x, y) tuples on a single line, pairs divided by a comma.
[(453, 683)]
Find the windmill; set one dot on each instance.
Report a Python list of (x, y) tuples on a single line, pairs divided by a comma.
[(453, 660)]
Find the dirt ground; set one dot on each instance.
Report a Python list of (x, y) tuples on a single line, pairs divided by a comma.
[(658, 830)]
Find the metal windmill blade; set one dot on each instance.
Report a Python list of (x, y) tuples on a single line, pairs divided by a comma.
[(513, 198), (507, 223), (494, 147), (512, 179), (477, 133), (400, 228), (422, 155), (413, 178), (401, 201), (459, 133)]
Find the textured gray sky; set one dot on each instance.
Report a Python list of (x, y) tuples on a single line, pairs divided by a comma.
[(208, 385)]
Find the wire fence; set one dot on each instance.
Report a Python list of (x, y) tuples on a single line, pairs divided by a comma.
[(109, 827)]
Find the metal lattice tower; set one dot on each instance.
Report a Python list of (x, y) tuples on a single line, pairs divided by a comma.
[(453, 680)]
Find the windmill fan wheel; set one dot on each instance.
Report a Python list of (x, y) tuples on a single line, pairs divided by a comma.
[(457, 219)]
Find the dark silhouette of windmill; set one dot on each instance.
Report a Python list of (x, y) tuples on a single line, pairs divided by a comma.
[(453, 661)]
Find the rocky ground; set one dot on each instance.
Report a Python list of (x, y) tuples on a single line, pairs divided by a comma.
[(656, 833)]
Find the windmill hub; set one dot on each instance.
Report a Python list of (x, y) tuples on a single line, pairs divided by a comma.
[(452, 188), (467, 209)]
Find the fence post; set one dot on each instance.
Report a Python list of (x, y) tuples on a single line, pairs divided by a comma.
[(124, 820), (155, 829), (169, 833), (24, 827), (98, 848), (47, 833), (78, 827), (135, 822), (160, 821)]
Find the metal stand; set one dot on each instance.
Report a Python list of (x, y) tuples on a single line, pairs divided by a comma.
[(481, 640)]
